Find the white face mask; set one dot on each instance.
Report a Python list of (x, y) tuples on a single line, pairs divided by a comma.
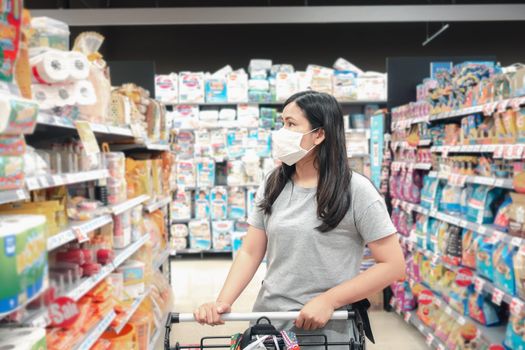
[(287, 146)]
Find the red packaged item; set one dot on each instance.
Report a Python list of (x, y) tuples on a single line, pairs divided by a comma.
[(89, 256), (105, 256), (91, 269), (72, 256)]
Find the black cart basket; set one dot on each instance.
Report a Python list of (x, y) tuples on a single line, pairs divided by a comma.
[(263, 327)]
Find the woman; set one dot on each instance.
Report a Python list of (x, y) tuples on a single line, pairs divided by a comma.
[(313, 218)]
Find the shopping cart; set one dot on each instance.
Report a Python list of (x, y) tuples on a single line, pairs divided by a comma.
[(263, 327)]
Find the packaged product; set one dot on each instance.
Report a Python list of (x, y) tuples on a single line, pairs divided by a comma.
[(219, 203), (427, 309), (205, 173), (517, 215), (469, 247), (482, 310), (235, 142), (519, 272), (222, 231), (250, 200), (515, 335), (191, 87), (167, 88), (503, 259), (181, 206), (200, 234), (285, 85), (179, 230), (503, 216), (216, 90), (483, 203), (218, 145), (345, 85), (236, 203), (451, 199), (23, 338), (431, 193), (202, 204), (237, 87), (236, 173), (484, 257), (453, 246), (133, 272), (179, 243)]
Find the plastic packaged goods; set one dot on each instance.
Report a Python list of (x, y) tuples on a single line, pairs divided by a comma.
[(200, 234), (23, 338), (237, 87), (202, 204), (11, 28), (191, 87), (23, 257), (49, 32), (345, 85), (219, 203), (205, 173), (167, 88), (221, 233), (18, 115)]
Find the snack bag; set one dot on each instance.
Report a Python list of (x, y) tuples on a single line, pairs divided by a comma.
[(503, 260), (484, 262), (483, 311)]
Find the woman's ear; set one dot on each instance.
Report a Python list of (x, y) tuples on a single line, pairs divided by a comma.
[(319, 137)]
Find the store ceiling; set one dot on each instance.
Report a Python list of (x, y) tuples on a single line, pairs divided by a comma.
[(80, 4)]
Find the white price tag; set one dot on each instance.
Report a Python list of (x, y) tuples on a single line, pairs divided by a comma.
[(517, 151), (80, 234), (444, 151), (421, 328), (502, 106), (498, 151), (441, 347), (497, 296), (499, 182), (461, 320), (479, 284), (435, 259), (481, 229), (448, 310), (407, 317), (43, 182), (58, 180), (398, 308), (392, 302), (463, 223), (32, 183), (516, 306), (430, 339), (516, 241), (507, 151), (515, 104)]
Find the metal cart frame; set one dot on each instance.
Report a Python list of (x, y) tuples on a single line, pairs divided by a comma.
[(352, 344)]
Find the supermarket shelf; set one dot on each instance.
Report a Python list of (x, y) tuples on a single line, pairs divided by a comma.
[(505, 150), (161, 203), (486, 230), (87, 284), (358, 155), (343, 103), (479, 180), (140, 146), (200, 251), (405, 145), (180, 221), (481, 283), (489, 107), (410, 317), (157, 335), (477, 109), (47, 181), (162, 258), (45, 285), (118, 209), (65, 123), (131, 311), (409, 165), (10, 196), (69, 234), (96, 332), (357, 131)]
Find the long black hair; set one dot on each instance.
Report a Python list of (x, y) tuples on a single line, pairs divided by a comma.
[(333, 187)]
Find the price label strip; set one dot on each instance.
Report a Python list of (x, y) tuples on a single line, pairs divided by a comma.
[(479, 284), (497, 296), (516, 306)]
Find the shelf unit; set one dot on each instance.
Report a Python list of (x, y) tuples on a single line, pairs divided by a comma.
[(158, 204), (96, 332), (489, 108), (10, 196), (163, 256), (486, 230), (118, 209), (157, 334), (74, 228), (481, 283), (48, 181), (274, 103), (410, 317), (479, 180), (132, 308), (409, 165)]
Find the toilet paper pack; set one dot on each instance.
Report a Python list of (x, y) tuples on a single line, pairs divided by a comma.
[(191, 87), (167, 88)]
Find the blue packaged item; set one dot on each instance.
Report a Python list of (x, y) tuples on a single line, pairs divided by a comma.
[(236, 203), (219, 203), (216, 90), (200, 234), (451, 200), (432, 234), (264, 143), (503, 259), (484, 256), (205, 173), (481, 204), (483, 311), (202, 204), (431, 197), (258, 96), (466, 193), (515, 335), (235, 143)]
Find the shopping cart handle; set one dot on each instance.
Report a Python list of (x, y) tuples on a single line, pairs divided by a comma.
[(175, 317)]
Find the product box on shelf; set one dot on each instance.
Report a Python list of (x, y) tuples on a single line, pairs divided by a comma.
[(191, 87), (167, 88)]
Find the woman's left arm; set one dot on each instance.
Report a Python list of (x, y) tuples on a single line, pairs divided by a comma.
[(389, 267)]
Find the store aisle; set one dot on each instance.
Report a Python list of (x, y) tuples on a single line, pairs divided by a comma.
[(195, 281)]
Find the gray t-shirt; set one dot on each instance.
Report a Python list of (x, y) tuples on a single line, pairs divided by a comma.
[(303, 262)]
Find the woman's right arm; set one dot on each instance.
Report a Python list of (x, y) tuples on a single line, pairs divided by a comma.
[(241, 273)]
